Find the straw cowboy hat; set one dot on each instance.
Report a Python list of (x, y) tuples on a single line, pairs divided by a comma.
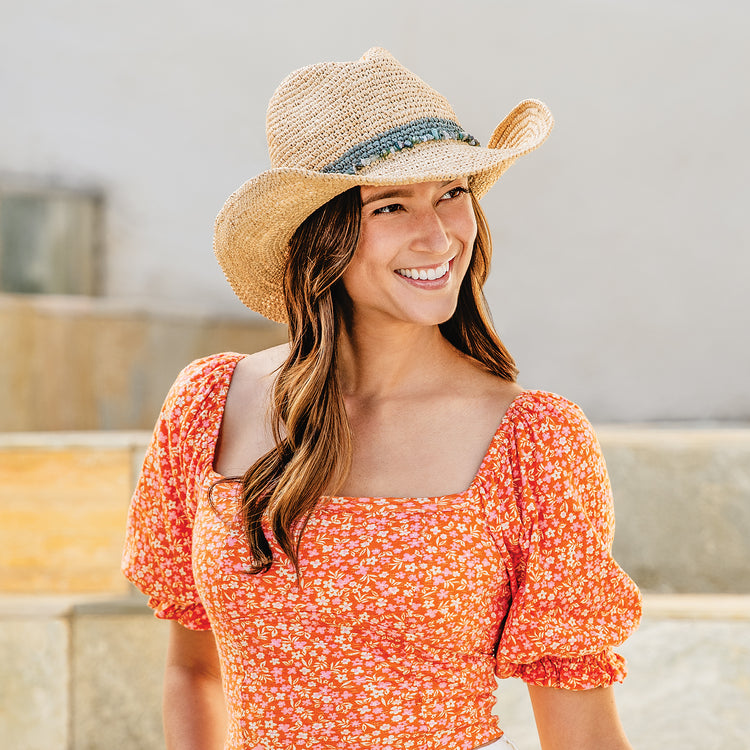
[(333, 126)]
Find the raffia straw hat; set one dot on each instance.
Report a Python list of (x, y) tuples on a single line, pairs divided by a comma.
[(332, 126)]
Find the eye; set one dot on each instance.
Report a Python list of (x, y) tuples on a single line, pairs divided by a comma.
[(389, 209), (455, 192)]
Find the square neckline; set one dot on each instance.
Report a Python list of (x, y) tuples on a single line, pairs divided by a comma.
[(384, 499)]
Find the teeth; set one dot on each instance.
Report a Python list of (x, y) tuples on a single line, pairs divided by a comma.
[(424, 273)]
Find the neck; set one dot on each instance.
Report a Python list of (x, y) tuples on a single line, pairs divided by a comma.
[(378, 363)]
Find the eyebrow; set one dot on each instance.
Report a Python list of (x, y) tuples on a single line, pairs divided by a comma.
[(397, 191)]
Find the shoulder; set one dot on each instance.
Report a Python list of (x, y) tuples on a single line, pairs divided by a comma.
[(544, 411), (206, 370), (251, 381), (542, 428), (204, 375), (551, 458), (197, 381), (246, 432), (253, 368)]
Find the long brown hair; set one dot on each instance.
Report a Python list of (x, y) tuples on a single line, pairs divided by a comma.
[(310, 427)]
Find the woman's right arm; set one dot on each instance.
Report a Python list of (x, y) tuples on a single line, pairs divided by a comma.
[(195, 716)]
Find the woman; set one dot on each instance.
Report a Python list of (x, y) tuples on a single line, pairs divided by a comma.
[(354, 533)]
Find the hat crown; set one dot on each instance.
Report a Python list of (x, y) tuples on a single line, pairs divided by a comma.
[(321, 112)]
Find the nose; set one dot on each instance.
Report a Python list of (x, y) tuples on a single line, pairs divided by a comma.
[(430, 234)]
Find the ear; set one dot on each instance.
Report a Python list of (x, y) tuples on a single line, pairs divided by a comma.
[(525, 128)]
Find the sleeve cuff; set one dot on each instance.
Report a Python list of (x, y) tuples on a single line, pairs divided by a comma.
[(573, 673), (190, 616)]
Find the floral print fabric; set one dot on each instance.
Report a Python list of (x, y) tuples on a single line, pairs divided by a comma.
[(406, 608)]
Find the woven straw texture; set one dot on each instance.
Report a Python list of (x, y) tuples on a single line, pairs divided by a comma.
[(332, 126)]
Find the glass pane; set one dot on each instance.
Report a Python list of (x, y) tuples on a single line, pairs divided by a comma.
[(48, 243)]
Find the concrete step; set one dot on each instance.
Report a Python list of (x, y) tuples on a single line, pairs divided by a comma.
[(80, 673), (688, 685)]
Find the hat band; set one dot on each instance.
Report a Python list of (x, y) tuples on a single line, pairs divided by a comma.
[(397, 139)]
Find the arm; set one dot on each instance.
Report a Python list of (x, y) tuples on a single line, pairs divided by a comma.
[(577, 719), (194, 712)]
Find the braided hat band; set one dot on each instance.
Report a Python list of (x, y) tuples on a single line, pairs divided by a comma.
[(332, 126)]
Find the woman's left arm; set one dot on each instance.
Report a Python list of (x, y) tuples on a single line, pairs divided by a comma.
[(577, 719)]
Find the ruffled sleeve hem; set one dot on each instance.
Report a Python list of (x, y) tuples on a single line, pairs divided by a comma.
[(190, 616), (553, 519), (573, 673)]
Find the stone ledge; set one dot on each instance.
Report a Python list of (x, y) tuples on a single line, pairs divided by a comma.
[(61, 439), (63, 507), (80, 305), (35, 606), (696, 606), (687, 685), (682, 500)]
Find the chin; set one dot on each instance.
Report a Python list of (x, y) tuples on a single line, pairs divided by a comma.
[(431, 317)]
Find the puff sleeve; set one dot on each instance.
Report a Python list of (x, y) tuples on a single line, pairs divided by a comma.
[(157, 556), (570, 601)]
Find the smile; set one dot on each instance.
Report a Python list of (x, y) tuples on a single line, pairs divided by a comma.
[(423, 274)]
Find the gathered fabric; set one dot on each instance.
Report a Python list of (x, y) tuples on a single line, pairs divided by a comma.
[(406, 609)]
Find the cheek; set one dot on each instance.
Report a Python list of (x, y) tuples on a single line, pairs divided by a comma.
[(468, 234), (356, 274), (470, 226), (371, 254), (349, 278)]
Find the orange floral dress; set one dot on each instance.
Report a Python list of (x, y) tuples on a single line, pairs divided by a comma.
[(407, 608)]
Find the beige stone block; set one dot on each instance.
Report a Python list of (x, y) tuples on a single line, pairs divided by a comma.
[(16, 387), (118, 666), (85, 673), (682, 499), (84, 363), (34, 680), (687, 686), (62, 518)]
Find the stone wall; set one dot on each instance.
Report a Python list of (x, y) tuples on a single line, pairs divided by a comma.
[(82, 657), (687, 685), (86, 674), (87, 363), (63, 503), (80, 673), (682, 499)]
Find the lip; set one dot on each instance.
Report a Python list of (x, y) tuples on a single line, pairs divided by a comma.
[(430, 283)]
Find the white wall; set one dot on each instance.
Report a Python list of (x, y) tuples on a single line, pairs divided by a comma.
[(621, 247)]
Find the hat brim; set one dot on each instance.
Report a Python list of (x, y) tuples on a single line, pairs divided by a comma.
[(253, 229)]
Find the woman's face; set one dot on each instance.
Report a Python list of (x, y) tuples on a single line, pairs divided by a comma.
[(414, 249)]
